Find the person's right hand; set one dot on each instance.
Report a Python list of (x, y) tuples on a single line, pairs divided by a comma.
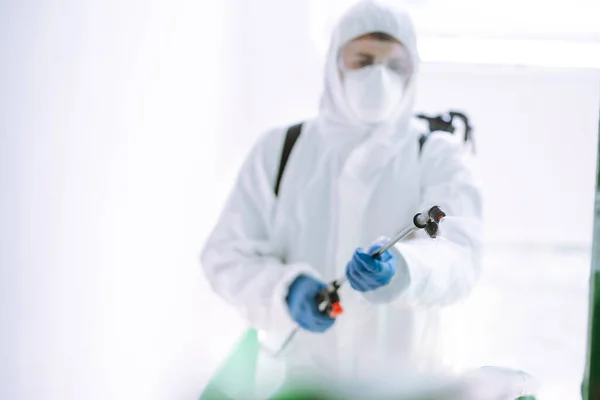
[(301, 300)]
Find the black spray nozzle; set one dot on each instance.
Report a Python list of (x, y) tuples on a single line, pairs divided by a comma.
[(432, 229), (436, 214), (429, 220)]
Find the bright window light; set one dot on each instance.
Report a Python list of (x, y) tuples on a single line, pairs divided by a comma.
[(513, 32), (545, 53)]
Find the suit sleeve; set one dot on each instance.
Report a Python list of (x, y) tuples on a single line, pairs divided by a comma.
[(437, 272), (239, 260)]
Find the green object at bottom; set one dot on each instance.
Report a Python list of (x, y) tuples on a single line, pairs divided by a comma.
[(591, 380), (237, 375)]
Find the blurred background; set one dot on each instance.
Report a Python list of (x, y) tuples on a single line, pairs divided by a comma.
[(123, 124)]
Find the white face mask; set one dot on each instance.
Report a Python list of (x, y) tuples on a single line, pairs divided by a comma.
[(373, 92)]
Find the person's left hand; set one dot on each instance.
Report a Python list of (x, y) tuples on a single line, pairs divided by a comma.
[(365, 272)]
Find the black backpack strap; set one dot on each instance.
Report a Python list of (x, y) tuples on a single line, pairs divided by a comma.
[(291, 136)]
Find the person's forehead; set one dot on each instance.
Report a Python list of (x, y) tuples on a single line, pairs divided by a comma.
[(375, 46)]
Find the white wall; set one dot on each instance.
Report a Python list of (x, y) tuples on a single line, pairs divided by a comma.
[(111, 113)]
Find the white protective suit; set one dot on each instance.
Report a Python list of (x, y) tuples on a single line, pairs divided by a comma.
[(347, 184)]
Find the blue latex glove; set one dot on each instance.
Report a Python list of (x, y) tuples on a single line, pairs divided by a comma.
[(301, 300), (366, 273)]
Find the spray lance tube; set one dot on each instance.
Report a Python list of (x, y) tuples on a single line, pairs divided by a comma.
[(328, 299)]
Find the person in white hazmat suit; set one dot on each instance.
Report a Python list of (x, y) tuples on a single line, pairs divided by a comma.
[(355, 174)]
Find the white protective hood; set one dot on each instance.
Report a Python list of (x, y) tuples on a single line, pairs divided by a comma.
[(366, 17)]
